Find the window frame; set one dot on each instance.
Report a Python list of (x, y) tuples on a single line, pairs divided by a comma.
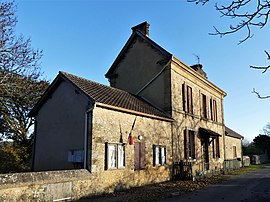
[(187, 98), (204, 106), (234, 151), (213, 109), (119, 159), (189, 144), (159, 155)]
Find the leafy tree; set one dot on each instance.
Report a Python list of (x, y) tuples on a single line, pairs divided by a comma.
[(20, 88), (263, 143), (250, 149), (247, 14)]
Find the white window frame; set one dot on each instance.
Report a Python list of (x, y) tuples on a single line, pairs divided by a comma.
[(115, 156), (159, 155)]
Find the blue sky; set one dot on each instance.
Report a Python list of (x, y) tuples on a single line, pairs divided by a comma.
[(84, 37)]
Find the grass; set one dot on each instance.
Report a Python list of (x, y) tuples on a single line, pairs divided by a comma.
[(245, 170)]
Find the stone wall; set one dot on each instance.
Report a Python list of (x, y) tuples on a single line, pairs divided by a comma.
[(181, 74), (232, 143), (63, 185)]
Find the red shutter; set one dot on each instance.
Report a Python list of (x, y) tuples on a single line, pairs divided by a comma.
[(136, 156), (184, 97), (139, 155), (142, 155)]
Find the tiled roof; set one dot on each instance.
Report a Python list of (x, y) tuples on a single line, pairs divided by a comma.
[(113, 97), (231, 133)]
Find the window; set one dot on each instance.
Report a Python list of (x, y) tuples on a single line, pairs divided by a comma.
[(234, 152), (213, 109), (215, 148), (159, 154), (187, 99), (115, 155), (139, 156), (204, 106), (189, 144)]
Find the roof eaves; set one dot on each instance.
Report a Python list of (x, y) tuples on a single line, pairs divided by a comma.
[(194, 73), (134, 112), (232, 133)]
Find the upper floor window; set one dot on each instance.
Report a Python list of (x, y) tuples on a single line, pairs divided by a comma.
[(213, 109), (204, 106), (187, 98), (189, 144)]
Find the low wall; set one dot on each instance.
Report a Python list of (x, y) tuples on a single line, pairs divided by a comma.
[(259, 159), (71, 184), (246, 161)]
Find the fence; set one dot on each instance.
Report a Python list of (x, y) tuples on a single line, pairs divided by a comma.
[(182, 170)]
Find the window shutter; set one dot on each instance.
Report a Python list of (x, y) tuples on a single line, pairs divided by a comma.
[(142, 155), (211, 109), (215, 110), (217, 148), (194, 144), (165, 154), (191, 101), (106, 156), (154, 155), (136, 156), (184, 96), (185, 144), (213, 148)]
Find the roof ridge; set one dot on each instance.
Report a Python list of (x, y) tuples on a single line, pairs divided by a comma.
[(100, 84)]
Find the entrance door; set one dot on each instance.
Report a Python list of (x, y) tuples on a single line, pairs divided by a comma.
[(206, 153)]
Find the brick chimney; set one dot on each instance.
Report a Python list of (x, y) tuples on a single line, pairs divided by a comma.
[(199, 70), (143, 28)]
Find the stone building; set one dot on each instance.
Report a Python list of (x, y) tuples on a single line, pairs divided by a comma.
[(157, 111), (233, 144)]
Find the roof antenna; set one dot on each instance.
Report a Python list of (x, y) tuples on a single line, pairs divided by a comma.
[(197, 57)]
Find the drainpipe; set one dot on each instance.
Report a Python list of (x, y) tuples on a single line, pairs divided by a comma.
[(86, 129)]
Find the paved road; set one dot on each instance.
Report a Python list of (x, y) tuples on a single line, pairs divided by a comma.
[(254, 186)]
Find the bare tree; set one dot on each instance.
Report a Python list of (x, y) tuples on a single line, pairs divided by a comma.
[(20, 86), (16, 55), (246, 14)]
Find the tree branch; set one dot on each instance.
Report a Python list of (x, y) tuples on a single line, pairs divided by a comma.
[(265, 68), (259, 96)]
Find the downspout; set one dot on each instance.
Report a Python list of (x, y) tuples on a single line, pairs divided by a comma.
[(34, 146), (86, 129)]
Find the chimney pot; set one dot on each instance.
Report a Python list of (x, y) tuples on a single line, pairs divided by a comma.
[(143, 28)]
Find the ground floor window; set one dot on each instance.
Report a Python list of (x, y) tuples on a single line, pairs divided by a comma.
[(189, 144), (159, 154), (234, 152), (115, 155)]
